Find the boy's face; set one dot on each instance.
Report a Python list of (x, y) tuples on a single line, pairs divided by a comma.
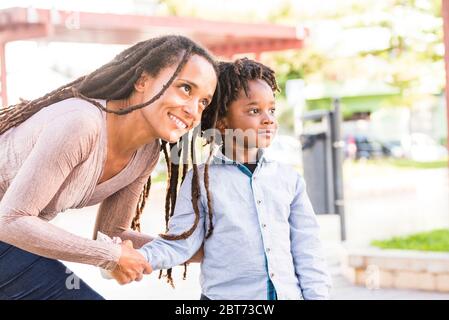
[(252, 119)]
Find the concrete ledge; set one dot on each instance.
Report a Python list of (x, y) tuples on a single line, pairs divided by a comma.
[(401, 269)]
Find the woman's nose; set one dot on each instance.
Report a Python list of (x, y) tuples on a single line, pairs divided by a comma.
[(192, 109)]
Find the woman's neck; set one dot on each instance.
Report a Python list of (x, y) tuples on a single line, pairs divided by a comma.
[(126, 133)]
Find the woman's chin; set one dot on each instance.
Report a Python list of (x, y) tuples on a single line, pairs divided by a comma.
[(173, 137)]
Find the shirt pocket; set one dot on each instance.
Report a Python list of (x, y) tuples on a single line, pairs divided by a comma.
[(279, 211)]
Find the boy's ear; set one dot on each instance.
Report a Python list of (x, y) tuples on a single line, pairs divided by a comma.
[(221, 125)]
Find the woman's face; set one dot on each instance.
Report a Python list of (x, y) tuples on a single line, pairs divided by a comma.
[(179, 109)]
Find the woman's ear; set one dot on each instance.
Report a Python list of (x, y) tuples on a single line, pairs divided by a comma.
[(141, 83)]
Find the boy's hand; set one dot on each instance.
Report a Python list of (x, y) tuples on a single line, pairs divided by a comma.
[(131, 265)]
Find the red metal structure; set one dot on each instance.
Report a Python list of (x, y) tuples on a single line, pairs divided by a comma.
[(222, 38)]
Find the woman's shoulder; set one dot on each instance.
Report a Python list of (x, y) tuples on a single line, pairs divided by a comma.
[(72, 125), (73, 116), (77, 109)]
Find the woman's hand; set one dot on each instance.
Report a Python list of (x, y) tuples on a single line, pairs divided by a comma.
[(131, 265)]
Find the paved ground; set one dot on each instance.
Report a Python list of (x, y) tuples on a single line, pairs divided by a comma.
[(380, 202)]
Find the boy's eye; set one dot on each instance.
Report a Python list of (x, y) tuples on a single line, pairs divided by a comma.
[(254, 111), (186, 88), (273, 110)]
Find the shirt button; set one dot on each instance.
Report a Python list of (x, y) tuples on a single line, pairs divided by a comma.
[(272, 275), (268, 250), (264, 225), (259, 201)]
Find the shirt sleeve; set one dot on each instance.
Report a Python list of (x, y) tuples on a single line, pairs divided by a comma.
[(164, 254), (61, 145), (308, 256)]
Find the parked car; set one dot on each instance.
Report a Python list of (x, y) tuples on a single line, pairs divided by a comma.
[(367, 148), (421, 147), (362, 147), (393, 149)]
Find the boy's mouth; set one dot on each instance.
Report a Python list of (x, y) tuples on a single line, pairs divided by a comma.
[(266, 132)]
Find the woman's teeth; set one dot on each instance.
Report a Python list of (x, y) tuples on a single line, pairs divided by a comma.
[(178, 122)]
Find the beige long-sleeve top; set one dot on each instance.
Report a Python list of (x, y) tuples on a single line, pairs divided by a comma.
[(52, 162)]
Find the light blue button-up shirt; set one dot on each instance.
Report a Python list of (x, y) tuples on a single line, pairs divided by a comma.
[(265, 234)]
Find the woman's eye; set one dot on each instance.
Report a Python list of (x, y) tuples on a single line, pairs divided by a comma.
[(187, 88)]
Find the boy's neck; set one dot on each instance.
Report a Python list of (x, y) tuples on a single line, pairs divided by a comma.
[(242, 154)]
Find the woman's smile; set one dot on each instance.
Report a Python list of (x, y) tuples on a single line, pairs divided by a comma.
[(181, 124)]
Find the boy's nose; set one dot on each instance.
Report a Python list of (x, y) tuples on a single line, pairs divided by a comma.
[(268, 120)]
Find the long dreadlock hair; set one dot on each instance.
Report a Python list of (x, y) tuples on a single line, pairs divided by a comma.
[(232, 78), (176, 150), (115, 80)]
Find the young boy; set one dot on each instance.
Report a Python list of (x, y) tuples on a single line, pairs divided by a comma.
[(264, 243)]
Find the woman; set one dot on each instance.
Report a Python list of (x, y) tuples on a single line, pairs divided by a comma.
[(95, 140)]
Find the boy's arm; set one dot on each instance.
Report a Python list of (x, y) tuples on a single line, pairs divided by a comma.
[(164, 254), (308, 257)]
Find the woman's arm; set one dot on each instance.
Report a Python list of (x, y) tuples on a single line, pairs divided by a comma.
[(164, 254), (116, 213), (64, 143), (308, 256)]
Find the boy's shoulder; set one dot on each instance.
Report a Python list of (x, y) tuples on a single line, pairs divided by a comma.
[(285, 169)]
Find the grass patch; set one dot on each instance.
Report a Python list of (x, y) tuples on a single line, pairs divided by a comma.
[(401, 163), (436, 240), (406, 163)]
